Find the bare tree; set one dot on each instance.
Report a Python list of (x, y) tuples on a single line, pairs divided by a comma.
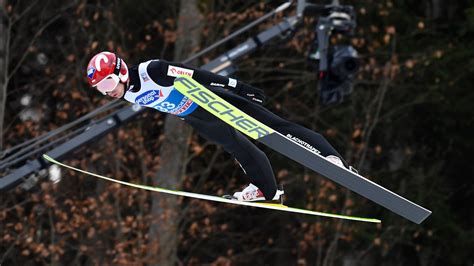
[(15, 48), (163, 232)]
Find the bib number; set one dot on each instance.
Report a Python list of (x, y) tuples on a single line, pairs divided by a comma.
[(165, 106)]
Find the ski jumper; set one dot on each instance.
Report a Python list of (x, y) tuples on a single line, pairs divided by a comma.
[(151, 85)]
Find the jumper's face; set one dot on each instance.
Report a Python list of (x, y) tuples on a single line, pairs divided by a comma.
[(118, 91)]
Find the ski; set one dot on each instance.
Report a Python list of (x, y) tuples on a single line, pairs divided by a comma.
[(271, 206), (299, 153)]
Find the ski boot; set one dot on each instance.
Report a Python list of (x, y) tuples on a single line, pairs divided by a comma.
[(253, 194), (337, 161)]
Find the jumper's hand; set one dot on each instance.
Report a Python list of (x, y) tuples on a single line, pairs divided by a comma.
[(251, 93)]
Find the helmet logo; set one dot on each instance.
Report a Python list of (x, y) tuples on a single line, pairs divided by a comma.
[(98, 59), (90, 72)]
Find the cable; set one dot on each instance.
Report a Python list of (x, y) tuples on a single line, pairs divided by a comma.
[(239, 31), (45, 137), (52, 143), (42, 148)]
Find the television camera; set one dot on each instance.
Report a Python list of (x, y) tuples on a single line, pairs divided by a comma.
[(336, 65)]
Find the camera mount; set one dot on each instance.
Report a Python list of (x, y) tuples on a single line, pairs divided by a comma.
[(338, 65)]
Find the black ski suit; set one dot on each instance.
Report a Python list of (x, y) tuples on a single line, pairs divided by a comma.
[(160, 74)]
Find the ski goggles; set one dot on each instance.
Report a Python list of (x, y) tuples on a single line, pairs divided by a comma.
[(108, 84)]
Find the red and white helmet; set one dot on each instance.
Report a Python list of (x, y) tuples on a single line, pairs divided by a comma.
[(105, 71)]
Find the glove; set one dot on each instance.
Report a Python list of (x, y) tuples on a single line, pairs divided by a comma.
[(251, 93)]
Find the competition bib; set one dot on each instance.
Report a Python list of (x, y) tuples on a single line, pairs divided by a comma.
[(163, 99)]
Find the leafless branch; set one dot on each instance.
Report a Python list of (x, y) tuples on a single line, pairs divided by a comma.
[(371, 123), (13, 21), (32, 41)]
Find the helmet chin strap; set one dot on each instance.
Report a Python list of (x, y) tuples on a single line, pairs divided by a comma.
[(124, 91), (127, 85)]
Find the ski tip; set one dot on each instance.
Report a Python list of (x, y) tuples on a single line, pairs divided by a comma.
[(47, 158)]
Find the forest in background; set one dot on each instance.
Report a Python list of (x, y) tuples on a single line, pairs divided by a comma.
[(408, 126)]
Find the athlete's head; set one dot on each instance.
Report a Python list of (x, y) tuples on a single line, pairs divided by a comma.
[(108, 74)]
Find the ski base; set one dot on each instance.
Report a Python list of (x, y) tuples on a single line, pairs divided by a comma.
[(271, 206)]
